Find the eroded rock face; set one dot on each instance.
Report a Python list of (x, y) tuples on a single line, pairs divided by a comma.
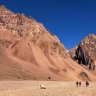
[(72, 52), (85, 53), (24, 38), (22, 26)]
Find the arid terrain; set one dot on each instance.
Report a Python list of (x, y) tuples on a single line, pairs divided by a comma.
[(28, 51), (30, 55), (53, 88)]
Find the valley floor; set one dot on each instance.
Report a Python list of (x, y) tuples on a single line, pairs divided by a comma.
[(53, 88)]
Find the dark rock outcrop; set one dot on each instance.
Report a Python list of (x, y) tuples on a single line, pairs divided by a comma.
[(85, 52)]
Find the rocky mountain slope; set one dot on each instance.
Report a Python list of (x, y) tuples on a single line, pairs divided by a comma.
[(29, 51), (85, 52)]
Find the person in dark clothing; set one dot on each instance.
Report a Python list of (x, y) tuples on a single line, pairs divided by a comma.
[(77, 83), (87, 83)]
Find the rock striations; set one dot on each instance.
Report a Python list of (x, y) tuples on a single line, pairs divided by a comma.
[(29, 51)]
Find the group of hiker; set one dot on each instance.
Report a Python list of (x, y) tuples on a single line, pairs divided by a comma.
[(79, 83)]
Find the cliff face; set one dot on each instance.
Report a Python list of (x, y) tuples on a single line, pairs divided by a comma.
[(85, 53), (29, 51)]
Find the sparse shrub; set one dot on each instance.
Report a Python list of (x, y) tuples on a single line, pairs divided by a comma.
[(49, 77), (18, 77)]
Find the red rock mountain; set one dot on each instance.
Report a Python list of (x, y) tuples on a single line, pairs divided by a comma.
[(85, 52), (29, 51)]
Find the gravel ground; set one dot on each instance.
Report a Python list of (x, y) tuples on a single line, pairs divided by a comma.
[(53, 88)]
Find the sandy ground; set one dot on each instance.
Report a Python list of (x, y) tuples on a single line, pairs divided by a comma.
[(53, 88)]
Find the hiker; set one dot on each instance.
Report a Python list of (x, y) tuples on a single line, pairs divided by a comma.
[(77, 83), (87, 83)]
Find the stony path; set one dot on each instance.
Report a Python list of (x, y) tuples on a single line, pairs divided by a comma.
[(53, 88)]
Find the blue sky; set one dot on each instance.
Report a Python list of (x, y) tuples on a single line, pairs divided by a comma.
[(70, 20)]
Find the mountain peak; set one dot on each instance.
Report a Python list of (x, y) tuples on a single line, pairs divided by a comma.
[(3, 9), (85, 53)]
